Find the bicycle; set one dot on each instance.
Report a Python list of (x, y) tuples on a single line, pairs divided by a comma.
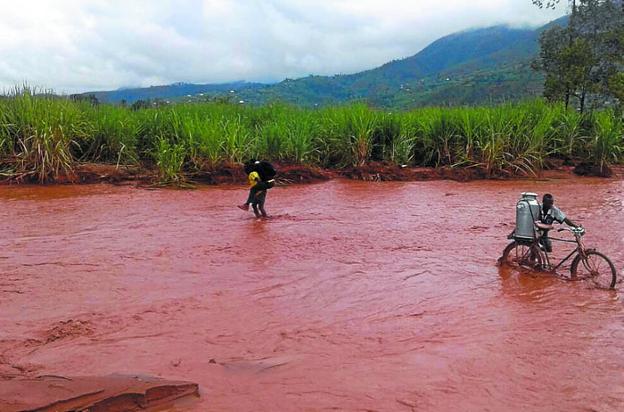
[(588, 264)]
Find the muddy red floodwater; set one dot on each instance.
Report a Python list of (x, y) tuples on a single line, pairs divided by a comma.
[(355, 296)]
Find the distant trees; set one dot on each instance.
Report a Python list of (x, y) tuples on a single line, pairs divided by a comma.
[(88, 98), (583, 62), (146, 104)]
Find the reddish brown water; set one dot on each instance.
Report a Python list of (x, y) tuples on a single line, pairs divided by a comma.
[(354, 296)]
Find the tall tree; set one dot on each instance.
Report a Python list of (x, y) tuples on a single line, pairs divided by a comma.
[(616, 80), (567, 66), (601, 23), (583, 61)]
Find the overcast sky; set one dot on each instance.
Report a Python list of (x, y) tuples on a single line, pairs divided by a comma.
[(79, 45)]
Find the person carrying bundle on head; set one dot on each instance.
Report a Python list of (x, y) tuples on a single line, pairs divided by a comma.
[(260, 175)]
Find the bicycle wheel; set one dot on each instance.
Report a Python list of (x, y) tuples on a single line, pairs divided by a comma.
[(521, 254), (596, 267)]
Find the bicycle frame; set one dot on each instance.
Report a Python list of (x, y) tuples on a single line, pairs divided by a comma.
[(580, 249)]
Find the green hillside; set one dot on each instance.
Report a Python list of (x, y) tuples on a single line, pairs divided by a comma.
[(172, 91), (482, 66)]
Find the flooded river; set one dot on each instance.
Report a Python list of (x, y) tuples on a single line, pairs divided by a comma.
[(354, 296)]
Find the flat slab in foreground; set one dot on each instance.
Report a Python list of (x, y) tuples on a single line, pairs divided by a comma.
[(108, 393)]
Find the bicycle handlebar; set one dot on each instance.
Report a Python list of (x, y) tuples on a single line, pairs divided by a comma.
[(576, 230)]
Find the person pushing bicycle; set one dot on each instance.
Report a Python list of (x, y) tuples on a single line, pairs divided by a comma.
[(549, 215), (530, 247)]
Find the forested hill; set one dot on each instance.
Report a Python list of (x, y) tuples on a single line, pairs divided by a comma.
[(472, 67), (172, 91)]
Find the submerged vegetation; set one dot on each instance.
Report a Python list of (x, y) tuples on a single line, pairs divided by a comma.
[(43, 137)]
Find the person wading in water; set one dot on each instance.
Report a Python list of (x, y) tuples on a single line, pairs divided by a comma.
[(549, 215), (260, 175)]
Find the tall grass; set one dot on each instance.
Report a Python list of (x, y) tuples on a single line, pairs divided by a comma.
[(43, 137), (39, 134), (605, 146), (170, 159)]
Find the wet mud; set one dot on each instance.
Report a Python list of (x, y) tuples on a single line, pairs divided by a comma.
[(386, 172), (232, 174), (114, 393), (353, 296)]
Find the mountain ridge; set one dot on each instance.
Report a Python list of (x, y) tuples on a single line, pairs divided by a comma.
[(478, 66)]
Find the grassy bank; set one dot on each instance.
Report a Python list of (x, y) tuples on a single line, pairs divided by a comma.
[(42, 138)]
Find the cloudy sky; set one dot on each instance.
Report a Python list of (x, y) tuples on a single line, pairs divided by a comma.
[(79, 45)]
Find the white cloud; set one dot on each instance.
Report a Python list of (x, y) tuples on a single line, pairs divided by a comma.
[(75, 45)]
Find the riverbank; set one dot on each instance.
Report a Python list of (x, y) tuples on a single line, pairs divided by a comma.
[(88, 173), (45, 139)]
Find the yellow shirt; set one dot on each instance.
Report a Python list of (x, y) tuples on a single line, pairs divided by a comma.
[(253, 178)]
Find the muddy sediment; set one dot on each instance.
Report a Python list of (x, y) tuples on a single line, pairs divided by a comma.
[(353, 296), (114, 393), (384, 172), (300, 174), (234, 174), (587, 169)]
